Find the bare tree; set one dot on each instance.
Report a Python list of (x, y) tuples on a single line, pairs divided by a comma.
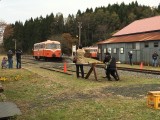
[(2, 27)]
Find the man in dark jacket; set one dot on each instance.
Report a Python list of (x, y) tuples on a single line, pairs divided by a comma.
[(10, 59), (110, 67), (154, 59), (130, 57), (18, 57)]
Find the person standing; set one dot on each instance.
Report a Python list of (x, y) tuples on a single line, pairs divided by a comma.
[(4, 62), (130, 54), (10, 59), (110, 68), (18, 58), (154, 59), (79, 61)]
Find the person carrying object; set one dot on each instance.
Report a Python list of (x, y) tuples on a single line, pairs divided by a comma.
[(80, 61), (110, 67)]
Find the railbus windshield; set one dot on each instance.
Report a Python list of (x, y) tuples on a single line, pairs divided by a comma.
[(53, 46)]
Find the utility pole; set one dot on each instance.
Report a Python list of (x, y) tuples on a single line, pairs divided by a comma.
[(15, 45), (79, 26)]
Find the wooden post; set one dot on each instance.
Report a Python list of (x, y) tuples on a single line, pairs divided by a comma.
[(90, 71)]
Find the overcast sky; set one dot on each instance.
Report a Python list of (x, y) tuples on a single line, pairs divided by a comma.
[(22, 10)]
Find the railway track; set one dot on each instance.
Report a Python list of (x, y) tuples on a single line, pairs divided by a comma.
[(58, 66), (71, 71), (155, 72), (57, 70), (146, 71)]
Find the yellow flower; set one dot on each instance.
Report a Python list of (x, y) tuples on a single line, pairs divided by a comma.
[(17, 77), (3, 78)]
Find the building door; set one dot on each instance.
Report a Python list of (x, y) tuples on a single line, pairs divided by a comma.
[(117, 54)]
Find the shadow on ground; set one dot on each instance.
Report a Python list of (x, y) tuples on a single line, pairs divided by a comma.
[(137, 91)]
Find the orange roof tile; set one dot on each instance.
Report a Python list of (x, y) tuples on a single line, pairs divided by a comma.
[(133, 38), (139, 26)]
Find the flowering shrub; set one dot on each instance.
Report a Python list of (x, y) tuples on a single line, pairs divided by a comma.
[(17, 77)]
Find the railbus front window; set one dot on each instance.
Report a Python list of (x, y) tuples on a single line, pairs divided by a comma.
[(53, 46), (58, 46)]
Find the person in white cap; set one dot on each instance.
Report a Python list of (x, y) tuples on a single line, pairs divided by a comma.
[(130, 54)]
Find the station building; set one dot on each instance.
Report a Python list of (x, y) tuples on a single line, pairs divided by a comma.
[(142, 37)]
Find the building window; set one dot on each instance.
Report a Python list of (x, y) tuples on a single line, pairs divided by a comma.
[(133, 45), (109, 50), (146, 44), (115, 50), (155, 44), (99, 50), (105, 50), (137, 46), (121, 50)]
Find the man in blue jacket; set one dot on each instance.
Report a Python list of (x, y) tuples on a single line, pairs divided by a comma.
[(154, 59), (10, 59)]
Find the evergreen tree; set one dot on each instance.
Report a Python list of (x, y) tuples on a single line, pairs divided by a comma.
[(98, 24)]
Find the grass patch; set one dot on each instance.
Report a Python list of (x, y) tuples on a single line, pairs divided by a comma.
[(47, 95)]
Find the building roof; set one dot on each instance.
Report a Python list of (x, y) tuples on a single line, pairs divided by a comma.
[(140, 26), (150, 36)]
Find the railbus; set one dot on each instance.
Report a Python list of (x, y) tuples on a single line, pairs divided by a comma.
[(91, 51), (47, 49)]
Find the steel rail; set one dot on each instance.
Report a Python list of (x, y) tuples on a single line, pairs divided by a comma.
[(101, 65)]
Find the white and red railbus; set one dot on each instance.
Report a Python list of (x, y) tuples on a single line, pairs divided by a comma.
[(47, 49), (91, 51)]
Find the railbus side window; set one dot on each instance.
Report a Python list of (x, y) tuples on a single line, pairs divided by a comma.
[(43, 46), (38, 46), (58, 46), (35, 47)]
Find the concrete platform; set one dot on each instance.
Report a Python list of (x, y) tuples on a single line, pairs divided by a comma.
[(8, 109)]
